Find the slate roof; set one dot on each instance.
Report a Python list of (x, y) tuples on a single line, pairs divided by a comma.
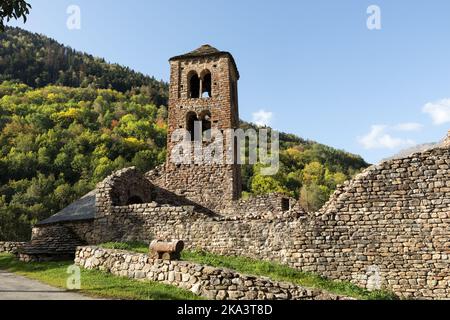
[(206, 51), (82, 209), (56, 242)]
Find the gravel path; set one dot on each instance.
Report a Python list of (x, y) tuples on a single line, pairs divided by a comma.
[(14, 287)]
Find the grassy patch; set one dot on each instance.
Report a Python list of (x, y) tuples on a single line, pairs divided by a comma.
[(138, 247), (280, 272), (95, 283), (272, 270)]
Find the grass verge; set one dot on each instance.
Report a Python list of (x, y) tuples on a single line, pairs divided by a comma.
[(272, 270), (94, 283)]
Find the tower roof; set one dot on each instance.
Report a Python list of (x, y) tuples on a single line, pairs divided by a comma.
[(206, 51)]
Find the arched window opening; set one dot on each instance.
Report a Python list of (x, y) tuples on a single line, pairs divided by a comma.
[(134, 200), (205, 118), (191, 120), (206, 84), (194, 85)]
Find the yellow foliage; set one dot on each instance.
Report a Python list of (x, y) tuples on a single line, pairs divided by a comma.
[(293, 152), (71, 113), (133, 142), (52, 97)]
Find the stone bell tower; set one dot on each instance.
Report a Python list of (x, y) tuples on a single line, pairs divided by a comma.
[(203, 90)]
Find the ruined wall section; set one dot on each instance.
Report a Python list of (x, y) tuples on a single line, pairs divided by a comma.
[(267, 206), (388, 228), (392, 223)]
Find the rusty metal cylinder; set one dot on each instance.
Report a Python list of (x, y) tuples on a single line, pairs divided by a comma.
[(160, 246)]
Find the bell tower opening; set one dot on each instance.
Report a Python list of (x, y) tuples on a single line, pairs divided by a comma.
[(206, 84), (205, 118), (191, 121), (194, 85)]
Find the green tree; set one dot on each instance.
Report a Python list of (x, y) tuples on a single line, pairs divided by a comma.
[(313, 197), (313, 173), (13, 9), (267, 184)]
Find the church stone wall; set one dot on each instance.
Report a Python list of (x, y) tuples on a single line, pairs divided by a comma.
[(392, 221), (388, 228)]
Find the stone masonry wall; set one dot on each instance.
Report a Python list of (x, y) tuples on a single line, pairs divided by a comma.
[(393, 220), (83, 229), (210, 282), (389, 228), (208, 185), (10, 247), (265, 206), (122, 187), (268, 205)]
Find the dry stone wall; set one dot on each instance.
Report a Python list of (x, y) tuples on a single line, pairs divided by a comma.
[(210, 282), (82, 229), (10, 247), (392, 221), (50, 243), (267, 206), (388, 228)]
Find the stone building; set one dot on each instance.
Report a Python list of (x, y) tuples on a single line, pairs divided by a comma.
[(203, 96), (203, 89), (387, 228)]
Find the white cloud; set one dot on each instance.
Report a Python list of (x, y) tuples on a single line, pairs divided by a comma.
[(439, 111), (408, 126), (379, 138), (262, 118)]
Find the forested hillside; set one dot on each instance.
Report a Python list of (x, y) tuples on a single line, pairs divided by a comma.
[(57, 142), (38, 61), (309, 171)]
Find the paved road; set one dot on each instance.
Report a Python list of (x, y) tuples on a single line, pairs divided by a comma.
[(14, 287)]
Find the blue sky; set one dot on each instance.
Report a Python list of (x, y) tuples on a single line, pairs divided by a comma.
[(312, 68)]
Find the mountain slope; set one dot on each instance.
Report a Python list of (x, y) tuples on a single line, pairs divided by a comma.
[(37, 61)]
